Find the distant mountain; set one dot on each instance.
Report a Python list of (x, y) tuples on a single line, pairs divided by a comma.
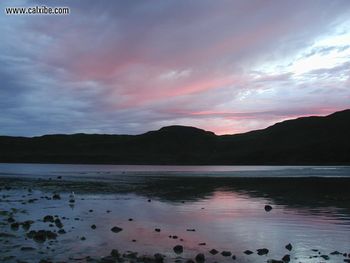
[(307, 140)]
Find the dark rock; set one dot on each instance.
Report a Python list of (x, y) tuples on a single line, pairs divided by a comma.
[(10, 220), (15, 226), (58, 223), (202, 244), (262, 251), (90, 211), (116, 229), (289, 247), (233, 257), (83, 238), (248, 252), (158, 258), (174, 237), (56, 197), (48, 218), (191, 230), (347, 260), (336, 253), (61, 231), (27, 224), (130, 219), (268, 208), (226, 253), (178, 249), (286, 258), (274, 261), (93, 226), (213, 251), (115, 253), (200, 258), (325, 257), (157, 229)]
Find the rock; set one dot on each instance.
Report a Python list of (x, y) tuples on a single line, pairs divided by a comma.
[(58, 223), (325, 257), (83, 238), (158, 258), (93, 226), (48, 218), (233, 257), (59, 177), (130, 219), (213, 251), (90, 211), (274, 261), (61, 231), (268, 208), (200, 258), (10, 220), (191, 230), (286, 258), (202, 244), (174, 237), (115, 253), (27, 224), (289, 247), (56, 197), (15, 226), (116, 229), (157, 229), (347, 260), (335, 253), (262, 251), (226, 253), (178, 249), (248, 252)]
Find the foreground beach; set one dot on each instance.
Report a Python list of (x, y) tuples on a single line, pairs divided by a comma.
[(138, 217)]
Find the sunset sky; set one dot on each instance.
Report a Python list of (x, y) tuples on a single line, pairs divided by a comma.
[(133, 66)]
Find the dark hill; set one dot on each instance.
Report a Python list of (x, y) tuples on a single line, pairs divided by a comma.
[(307, 140)]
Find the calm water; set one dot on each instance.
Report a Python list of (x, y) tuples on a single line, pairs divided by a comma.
[(227, 214)]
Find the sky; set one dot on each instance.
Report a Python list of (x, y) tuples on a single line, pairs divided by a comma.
[(127, 67)]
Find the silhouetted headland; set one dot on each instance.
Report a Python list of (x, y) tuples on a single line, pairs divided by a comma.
[(306, 140)]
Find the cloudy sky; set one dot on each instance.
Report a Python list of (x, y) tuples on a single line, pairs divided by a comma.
[(133, 66)]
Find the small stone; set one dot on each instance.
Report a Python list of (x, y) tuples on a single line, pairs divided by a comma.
[(226, 253), (56, 197), (15, 226), (233, 257), (325, 257), (213, 251), (158, 258), (200, 258), (191, 229), (93, 226), (178, 249), (157, 229), (202, 244), (48, 218), (262, 251), (286, 258), (116, 229), (115, 253), (130, 219), (248, 252), (268, 208), (289, 247)]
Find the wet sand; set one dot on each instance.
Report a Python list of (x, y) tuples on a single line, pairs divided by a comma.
[(174, 218)]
